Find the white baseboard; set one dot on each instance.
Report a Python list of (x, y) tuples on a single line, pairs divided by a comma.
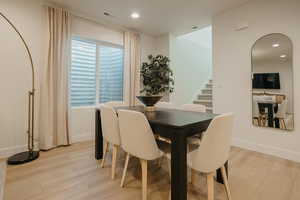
[(83, 137), (270, 150), (9, 151)]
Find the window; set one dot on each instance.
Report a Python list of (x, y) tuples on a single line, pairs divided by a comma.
[(96, 73), (111, 74)]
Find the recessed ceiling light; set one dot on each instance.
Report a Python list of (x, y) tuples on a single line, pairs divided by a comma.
[(135, 15), (275, 45), (283, 56)]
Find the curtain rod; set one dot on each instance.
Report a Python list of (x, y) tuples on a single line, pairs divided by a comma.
[(118, 28)]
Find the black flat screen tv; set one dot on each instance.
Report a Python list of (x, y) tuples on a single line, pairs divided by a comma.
[(266, 81)]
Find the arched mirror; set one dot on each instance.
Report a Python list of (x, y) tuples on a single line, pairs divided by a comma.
[(272, 82)]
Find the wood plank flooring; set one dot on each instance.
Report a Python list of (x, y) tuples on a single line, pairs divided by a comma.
[(72, 173)]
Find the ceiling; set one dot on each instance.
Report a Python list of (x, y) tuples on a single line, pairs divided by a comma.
[(157, 17), (263, 51)]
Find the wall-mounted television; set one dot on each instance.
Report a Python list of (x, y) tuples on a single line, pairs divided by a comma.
[(266, 81)]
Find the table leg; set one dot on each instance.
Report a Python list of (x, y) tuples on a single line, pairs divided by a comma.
[(219, 174), (179, 168), (98, 136), (270, 116), (277, 124)]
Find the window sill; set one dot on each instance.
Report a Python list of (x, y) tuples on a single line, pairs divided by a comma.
[(85, 107)]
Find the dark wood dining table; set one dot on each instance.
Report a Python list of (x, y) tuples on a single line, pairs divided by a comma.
[(176, 125)]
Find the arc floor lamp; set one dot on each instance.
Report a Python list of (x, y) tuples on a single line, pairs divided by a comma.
[(29, 155)]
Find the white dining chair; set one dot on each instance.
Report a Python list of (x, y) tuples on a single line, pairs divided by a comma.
[(281, 113), (255, 112), (195, 140), (138, 141), (213, 152), (115, 103), (163, 104), (111, 134)]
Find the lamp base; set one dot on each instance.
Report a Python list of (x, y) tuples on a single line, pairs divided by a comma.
[(23, 157)]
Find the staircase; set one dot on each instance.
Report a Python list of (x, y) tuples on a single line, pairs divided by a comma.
[(205, 98)]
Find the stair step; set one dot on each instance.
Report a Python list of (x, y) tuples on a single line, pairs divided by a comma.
[(207, 91), (207, 103), (209, 85), (209, 109), (205, 97)]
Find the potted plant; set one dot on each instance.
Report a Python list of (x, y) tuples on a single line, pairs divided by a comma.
[(157, 78)]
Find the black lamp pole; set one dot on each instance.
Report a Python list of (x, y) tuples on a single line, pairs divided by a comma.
[(29, 155)]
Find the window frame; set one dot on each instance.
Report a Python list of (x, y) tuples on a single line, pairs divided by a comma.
[(98, 43)]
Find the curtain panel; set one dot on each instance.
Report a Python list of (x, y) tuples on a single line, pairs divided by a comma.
[(54, 122), (132, 60)]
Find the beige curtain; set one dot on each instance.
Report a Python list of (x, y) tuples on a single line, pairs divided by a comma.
[(132, 65), (54, 127)]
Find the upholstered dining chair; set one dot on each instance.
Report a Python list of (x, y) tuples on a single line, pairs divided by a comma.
[(281, 113), (115, 103), (138, 141), (111, 134), (217, 142), (255, 112)]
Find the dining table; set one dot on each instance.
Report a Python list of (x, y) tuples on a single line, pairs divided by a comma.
[(175, 125)]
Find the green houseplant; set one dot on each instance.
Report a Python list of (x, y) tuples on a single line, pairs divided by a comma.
[(157, 79)]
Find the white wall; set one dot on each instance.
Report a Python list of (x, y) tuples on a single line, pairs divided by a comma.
[(93, 31), (148, 46), (232, 70), (15, 73), (192, 67), (163, 45)]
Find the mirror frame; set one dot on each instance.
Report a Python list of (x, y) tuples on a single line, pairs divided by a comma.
[(293, 81)]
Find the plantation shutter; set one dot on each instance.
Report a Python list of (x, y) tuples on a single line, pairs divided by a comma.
[(111, 74), (83, 73)]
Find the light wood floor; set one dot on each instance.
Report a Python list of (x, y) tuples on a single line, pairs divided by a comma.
[(72, 173)]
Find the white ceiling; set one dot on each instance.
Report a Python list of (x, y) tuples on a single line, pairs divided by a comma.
[(157, 16)]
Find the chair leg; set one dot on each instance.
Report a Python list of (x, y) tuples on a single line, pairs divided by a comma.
[(144, 178), (225, 178), (193, 176), (106, 145), (125, 169), (159, 162), (256, 121), (169, 168), (114, 161), (284, 124), (210, 186)]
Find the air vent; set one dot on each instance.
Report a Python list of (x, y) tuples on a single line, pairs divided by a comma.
[(106, 14)]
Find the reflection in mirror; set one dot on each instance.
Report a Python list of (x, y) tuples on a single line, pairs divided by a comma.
[(272, 82)]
